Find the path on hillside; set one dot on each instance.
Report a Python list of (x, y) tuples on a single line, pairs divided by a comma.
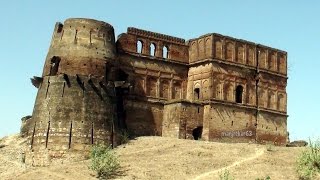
[(259, 152)]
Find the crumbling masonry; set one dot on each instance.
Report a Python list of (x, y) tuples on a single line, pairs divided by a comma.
[(213, 87)]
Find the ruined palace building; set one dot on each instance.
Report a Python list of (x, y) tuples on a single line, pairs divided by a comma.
[(94, 87)]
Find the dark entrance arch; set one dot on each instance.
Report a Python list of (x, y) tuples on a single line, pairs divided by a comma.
[(197, 132)]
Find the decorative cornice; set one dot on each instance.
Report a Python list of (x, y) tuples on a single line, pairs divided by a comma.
[(149, 34)]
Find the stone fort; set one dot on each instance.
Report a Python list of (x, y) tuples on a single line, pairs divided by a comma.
[(94, 87)]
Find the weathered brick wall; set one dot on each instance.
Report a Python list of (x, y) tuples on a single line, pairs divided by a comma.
[(181, 118), (237, 51), (228, 123), (177, 50), (272, 92), (272, 128), (191, 118), (143, 118), (157, 79), (201, 48), (70, 115), (200, 77), (83, 47), (171, 120), (74, 107)]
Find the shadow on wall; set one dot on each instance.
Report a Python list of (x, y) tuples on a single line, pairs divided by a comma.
[(135, 114)]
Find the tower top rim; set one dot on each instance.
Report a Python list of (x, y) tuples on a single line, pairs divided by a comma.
[(87, 21)]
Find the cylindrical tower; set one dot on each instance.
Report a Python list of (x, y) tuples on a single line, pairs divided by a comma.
[(73, 108)]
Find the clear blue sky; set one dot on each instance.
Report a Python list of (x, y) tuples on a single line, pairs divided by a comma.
[(294, 26)]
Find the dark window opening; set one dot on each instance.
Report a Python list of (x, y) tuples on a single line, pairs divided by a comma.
[(139, 46), (197, 132), (165, 52), (121, 75), (121, 90), (197, 93), (55, 61), (152, 49), (239, 92), (60, 27)]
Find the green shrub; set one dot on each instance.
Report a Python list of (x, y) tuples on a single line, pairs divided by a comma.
[(104, 162), (124, 137), (225, 175), (266, 178), (270, 147), (309, 161)]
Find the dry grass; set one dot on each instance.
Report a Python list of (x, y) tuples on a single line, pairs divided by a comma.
[(166, 158)]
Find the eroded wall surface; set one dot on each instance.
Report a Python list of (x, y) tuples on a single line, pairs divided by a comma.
[(229, 123), (241, 83), (183, 119), (74, 108)]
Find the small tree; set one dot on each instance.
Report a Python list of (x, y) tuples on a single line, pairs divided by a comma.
[(309, 162), (104, 161)]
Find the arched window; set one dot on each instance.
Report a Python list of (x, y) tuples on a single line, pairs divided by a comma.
[(152, 87), (262, 59), (165, 52), (197, 93), (271, 100), (230, 51), (139, 46), (239, 92), (218, 49), (176, 93), (280, 103), (152, 49), (164, 89), (55, 61), (241, 54)]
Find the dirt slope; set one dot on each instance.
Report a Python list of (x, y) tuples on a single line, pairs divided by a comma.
[(164, 158)]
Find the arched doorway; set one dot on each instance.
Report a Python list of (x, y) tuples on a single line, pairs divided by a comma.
[(197, 93), (197, 132)]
